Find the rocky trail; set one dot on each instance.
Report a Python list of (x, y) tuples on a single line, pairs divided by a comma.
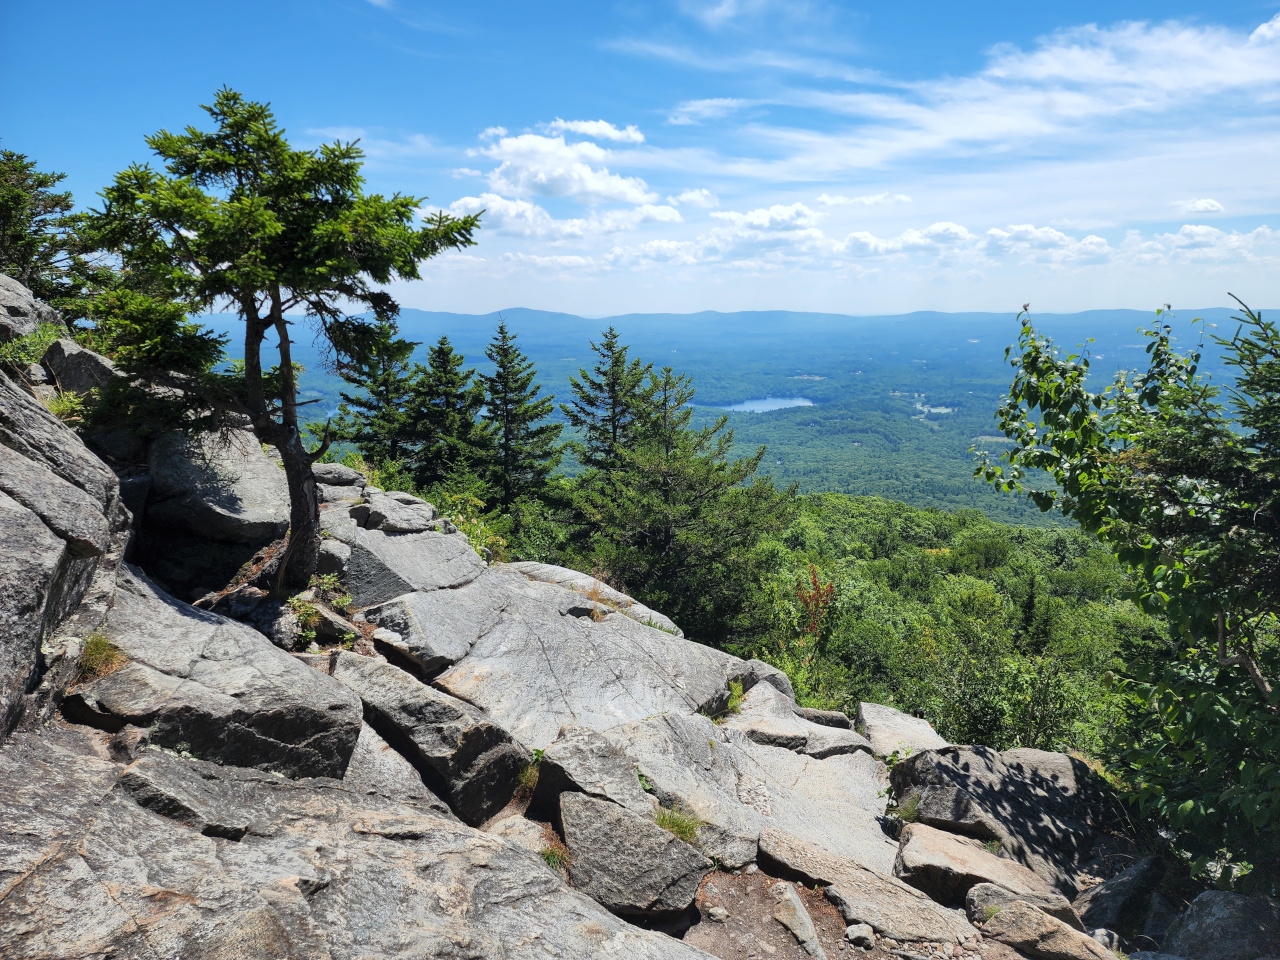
[(429, 755)]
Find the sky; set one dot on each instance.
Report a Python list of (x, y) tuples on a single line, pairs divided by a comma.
[(728, 154)]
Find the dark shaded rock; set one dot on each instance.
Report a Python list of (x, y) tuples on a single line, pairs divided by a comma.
[(985, 899), (317, 870), (71, 514), (1225, 926), (954, 810), (76, 369), (218, 487), (1121, 903), (626, 862), (584, 761), (1040, 936), (945, 867), (21, 313), (1048, 808), (216, 689), (862, 895), (462, 756), (892, 731)]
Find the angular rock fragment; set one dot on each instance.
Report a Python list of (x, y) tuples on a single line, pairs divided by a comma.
[(954, 810), (462, 756), (1121, 903), (76, 369), (769, 717), (986, 899), (625, 861), (216, 689), (1040, 936), (789, 910), (892, 731), (890, 906), (1226, 926), (376, 768), (584, 761), (20, 312), (945, 866), (598, 590), (525, 834)]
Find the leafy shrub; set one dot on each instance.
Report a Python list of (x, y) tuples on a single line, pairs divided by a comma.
[(67, 407), (20, 353)]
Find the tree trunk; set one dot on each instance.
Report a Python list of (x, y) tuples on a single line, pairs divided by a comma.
[(304, 512)]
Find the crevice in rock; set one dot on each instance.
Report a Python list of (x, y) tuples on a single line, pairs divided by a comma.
[(402, 744)]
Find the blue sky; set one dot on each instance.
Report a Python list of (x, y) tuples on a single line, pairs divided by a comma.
[(730, 154)]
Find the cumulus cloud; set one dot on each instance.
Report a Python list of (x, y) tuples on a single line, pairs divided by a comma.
[(695, 198), (533, 165), (1204, 205), (527, 219), (1200, 243), (597, 129), (777, 217), (489, 133), (867, 201), (937, 238), (1046, 245)]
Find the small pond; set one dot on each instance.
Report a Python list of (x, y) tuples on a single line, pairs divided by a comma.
[(765, 404)]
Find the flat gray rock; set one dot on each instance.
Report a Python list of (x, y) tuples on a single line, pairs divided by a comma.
[(769, 717), (317, 871), (739, 788), (598, 590), (438, 628), (539, 669), (76, 369), (626, 862), (862, 895), (525, 834), (337, 474), (986, 899), (581, 760), (892, 731), (376, 768), (380, 566), (464, 758), (216, 487), (216, 689)]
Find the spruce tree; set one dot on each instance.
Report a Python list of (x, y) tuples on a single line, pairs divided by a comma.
[(446, 403), (380, 422), (525, 450), (604, 405)]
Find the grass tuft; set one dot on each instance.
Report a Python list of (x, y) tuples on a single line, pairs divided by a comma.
[(990, 911), (909, 812), (553, 858), (98, 658), (681, 823), (528, 781)]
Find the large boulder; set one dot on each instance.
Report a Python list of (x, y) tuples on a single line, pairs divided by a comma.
[(1047, 810), (215, 689), (1033, 932), (61, 526), (597, 590), (768, 716), (463, 757), (1226, 926), (1122, 902), (20, 312), (177, 858), (737, 788), (581, 760), (76, 369), (217, 486), (863, 895), (377, 565), (987, 899), (548, 661), (945, 866), (625, 861), (892, 731)]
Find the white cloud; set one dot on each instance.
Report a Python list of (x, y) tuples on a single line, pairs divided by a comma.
[(943, 237), (1204, 205), (489, 133), (867, 201), (598, 129), (696, 111), (1046, 245), (776, 217), (459, 172), (1199, 243), (378, 148), (695, 198), (383, 4), (533, 165), (527, 219)]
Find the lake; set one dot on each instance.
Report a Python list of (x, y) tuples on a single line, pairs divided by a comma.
[(770, 403)]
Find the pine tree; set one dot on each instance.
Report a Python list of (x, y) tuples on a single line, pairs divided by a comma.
[(525, 450), (380, 423), (679, 523), (447, 400), (604, 405)]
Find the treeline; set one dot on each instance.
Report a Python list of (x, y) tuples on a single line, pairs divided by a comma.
[(659, 508)]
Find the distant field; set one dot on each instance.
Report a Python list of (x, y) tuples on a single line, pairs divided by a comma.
[(878, 385)]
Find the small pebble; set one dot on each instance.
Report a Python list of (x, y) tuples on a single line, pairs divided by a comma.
[(718, 914), (751, 868)]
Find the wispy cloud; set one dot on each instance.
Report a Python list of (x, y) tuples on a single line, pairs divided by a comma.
[(869, 200), (700, 197), (597, 129), (1204, 205)]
